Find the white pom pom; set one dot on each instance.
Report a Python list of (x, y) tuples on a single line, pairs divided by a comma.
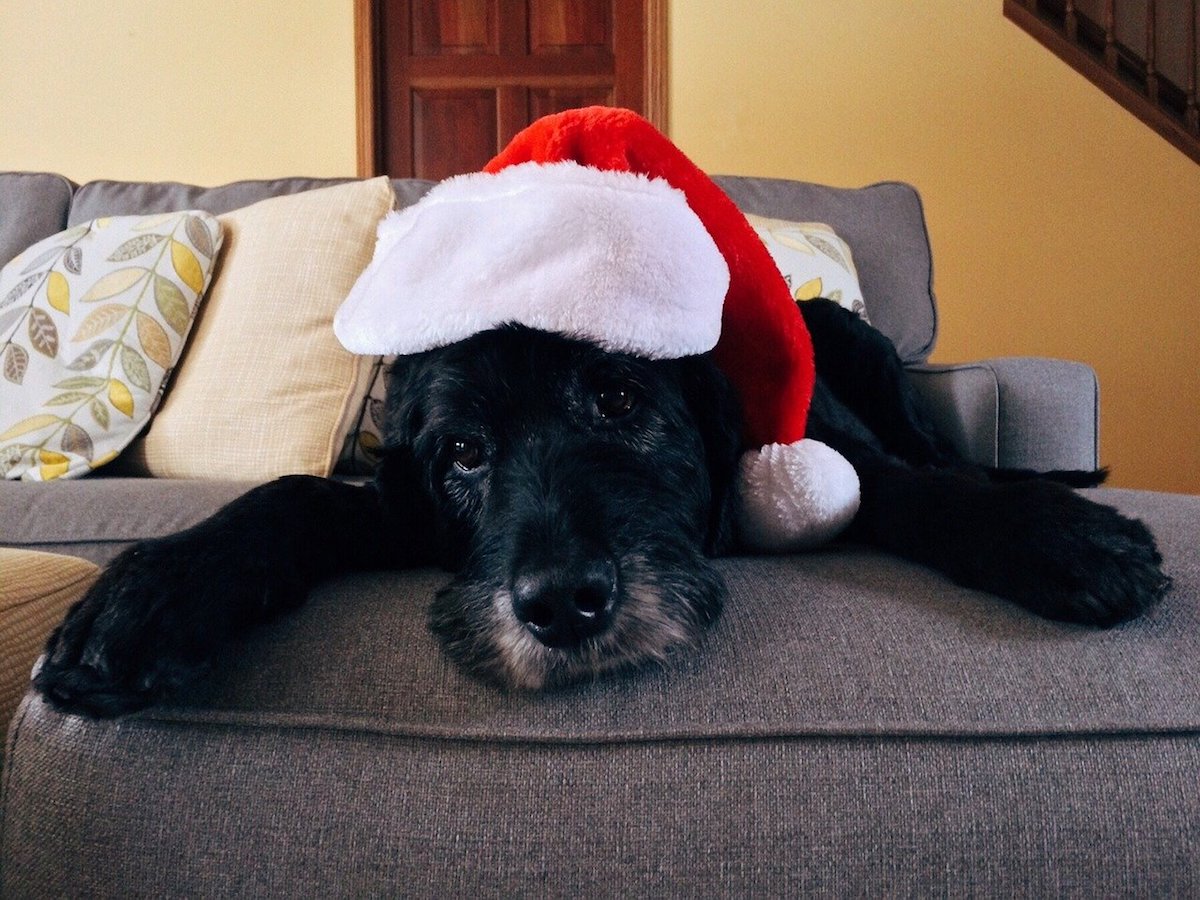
[(795, 496)]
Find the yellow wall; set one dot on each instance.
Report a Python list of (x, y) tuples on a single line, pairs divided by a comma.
[(202, 91), (1061, 226)]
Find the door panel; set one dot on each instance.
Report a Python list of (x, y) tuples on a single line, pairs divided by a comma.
[(451, 129), (454, 80), (455, 26), (545, 101), (569, 26)]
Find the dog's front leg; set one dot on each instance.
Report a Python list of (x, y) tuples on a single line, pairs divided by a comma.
[(1037, 543), (161, 608)]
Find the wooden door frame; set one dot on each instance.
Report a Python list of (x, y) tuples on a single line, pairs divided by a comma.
[(366, 67)]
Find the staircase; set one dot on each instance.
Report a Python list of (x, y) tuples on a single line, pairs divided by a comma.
[(1142, 53)]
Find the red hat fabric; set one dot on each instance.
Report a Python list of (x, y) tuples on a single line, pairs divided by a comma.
[(764, 348)]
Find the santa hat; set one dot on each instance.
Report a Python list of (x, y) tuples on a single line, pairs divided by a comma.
[(592, 223)]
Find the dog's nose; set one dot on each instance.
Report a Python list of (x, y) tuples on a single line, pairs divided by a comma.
[(562, 606)]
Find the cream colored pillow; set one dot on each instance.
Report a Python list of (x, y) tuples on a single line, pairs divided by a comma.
[(264, 388)]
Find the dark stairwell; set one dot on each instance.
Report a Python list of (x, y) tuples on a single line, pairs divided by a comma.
[(1142, 53)]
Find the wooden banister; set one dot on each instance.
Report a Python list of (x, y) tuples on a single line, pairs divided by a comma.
[(1191, 114), (1110, 34), (1142, 53), (1151, 73)]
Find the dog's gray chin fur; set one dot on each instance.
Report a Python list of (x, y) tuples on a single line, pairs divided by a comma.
[(659, 613)]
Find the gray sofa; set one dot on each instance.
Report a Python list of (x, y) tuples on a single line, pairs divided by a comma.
[(853, 725)]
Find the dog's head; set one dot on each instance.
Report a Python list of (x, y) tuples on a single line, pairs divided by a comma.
[(575, 491)]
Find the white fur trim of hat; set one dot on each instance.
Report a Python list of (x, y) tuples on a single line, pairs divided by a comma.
[(611, 256), (794, 496)]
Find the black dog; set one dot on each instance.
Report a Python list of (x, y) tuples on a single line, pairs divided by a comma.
[(578, 494)]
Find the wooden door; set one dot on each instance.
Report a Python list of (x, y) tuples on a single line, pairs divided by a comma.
[(450, 82)]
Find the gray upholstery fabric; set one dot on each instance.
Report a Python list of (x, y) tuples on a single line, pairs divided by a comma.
[(112, 198), (1016, 412), (128, 198), (842, 641), (853, 725), (96, 518), (32, 206), (1045, 406), (214, 812), (884, 224), (963, 402), (410, 190)]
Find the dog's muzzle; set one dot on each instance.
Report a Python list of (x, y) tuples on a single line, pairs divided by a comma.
[(564, 604)]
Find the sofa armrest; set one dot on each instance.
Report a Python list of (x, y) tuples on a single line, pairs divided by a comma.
[(1016, 412)]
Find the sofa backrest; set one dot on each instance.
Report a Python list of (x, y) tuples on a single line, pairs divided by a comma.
[(126, 198), (884, 224), (32, 206)]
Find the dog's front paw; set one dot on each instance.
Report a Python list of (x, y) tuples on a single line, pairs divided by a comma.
[(114, 652), (1068, 558), (147, 627)]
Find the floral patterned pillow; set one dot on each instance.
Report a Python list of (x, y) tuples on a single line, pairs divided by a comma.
[(92, 321), (364, 439), (814, 261)]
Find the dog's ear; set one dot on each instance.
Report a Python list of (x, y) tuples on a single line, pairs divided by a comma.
[(399, 477), (407, 386), (717, 413)]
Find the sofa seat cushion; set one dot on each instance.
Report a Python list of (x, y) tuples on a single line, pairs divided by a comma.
[(839, 642), (98, 517), (852, 726)]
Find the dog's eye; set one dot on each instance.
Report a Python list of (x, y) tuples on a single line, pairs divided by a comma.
[(615, 401), (466, 454)]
